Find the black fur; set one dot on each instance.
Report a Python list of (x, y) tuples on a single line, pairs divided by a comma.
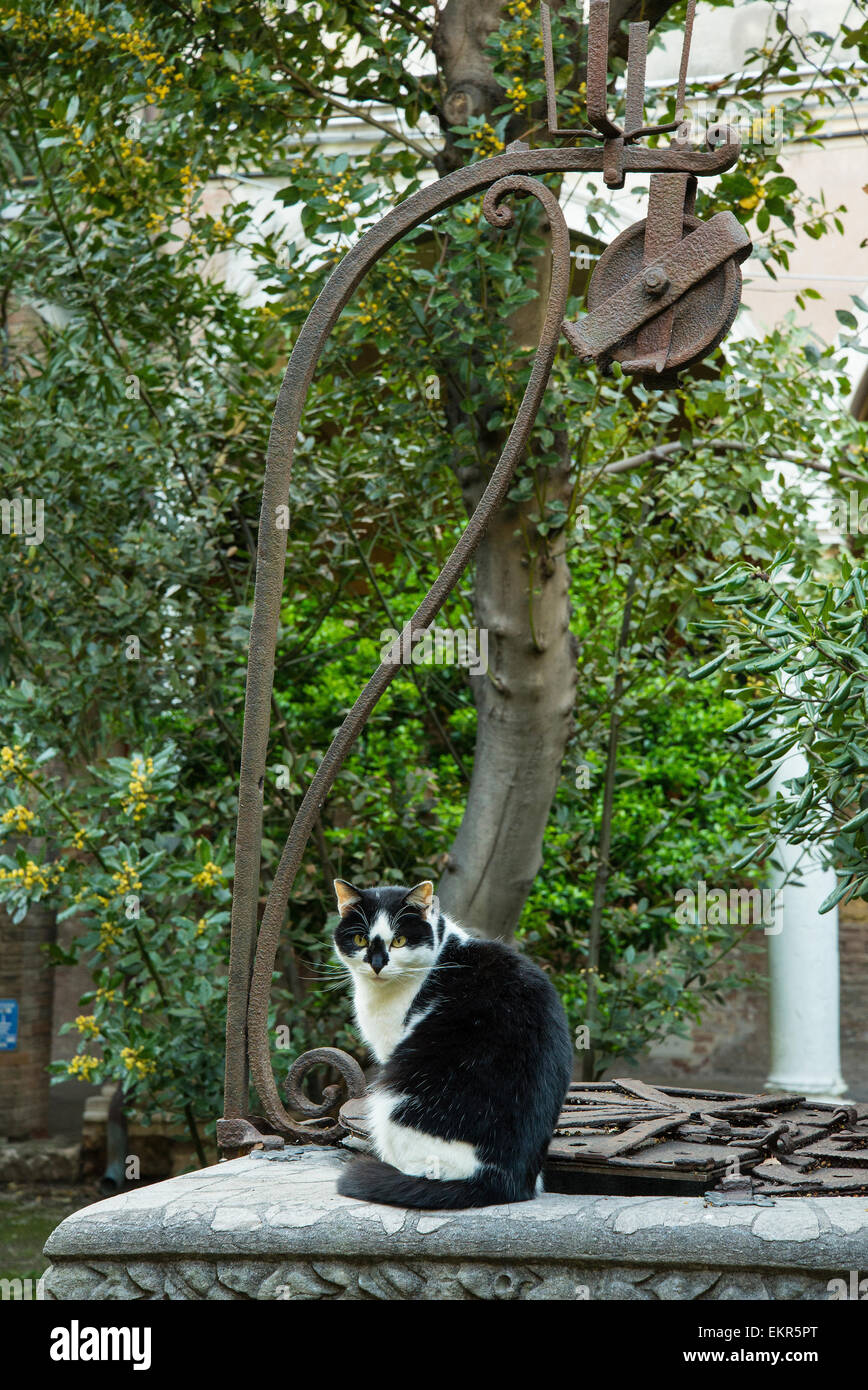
[(374, 1181), (489, 1064)]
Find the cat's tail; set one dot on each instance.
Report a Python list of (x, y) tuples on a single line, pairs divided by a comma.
[(373, 1181)]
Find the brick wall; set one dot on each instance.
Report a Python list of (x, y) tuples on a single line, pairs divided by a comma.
[(730, 1048), (70, 983), (854, 997), (48, 996), (25, 976), (68, 1098)]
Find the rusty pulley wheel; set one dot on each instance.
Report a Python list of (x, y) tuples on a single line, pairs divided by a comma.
[(701, 318)]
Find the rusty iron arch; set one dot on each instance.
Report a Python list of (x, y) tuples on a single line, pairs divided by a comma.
[(661, 301)]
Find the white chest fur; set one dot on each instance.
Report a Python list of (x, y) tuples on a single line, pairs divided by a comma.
[(381, 1006)]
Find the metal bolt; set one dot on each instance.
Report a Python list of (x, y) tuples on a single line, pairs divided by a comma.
[(655, 280)]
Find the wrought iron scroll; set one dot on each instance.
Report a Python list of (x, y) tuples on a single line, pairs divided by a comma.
[(252, 956), (499, 215), (318, 1123)]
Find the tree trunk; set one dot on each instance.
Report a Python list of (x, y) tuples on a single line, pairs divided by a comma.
[(525, 703), (524, 713)]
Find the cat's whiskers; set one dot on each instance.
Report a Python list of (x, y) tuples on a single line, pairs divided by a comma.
[(329, 963)]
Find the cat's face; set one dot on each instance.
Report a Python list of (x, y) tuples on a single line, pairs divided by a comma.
[(385, 933)]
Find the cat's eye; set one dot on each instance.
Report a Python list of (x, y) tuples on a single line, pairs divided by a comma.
[(359, 940), (399, 941)]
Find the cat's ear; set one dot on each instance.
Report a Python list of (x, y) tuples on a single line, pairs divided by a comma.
[(347, 896), (422, 896)]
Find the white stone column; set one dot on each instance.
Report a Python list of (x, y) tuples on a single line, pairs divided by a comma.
[(804, 1002)]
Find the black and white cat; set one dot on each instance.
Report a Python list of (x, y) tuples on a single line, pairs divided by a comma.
[(475, 1052)]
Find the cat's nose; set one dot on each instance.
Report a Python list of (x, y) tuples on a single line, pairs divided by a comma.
[(376, 960)]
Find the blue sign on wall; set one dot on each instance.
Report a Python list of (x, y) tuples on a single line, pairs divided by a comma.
[(8, 1025)]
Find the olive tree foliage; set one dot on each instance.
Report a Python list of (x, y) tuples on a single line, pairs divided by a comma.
[(138, 387), (801, 637)]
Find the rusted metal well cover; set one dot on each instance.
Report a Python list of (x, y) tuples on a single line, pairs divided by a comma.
[(625, 1137)]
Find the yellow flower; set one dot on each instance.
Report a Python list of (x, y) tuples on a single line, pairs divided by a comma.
[(109, 934), (12, 760), (222, 233), (208, 876), (127, 880), (19, 818), (134, 1061), (517, 94), (33, 875), (136, 800), (82, 1067), (752, 199), (486, 139), (87, 1024)]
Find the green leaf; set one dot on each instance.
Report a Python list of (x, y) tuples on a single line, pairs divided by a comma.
[(843, 887), (707, 669), (855, 822), (768, 663), (759, 780)]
